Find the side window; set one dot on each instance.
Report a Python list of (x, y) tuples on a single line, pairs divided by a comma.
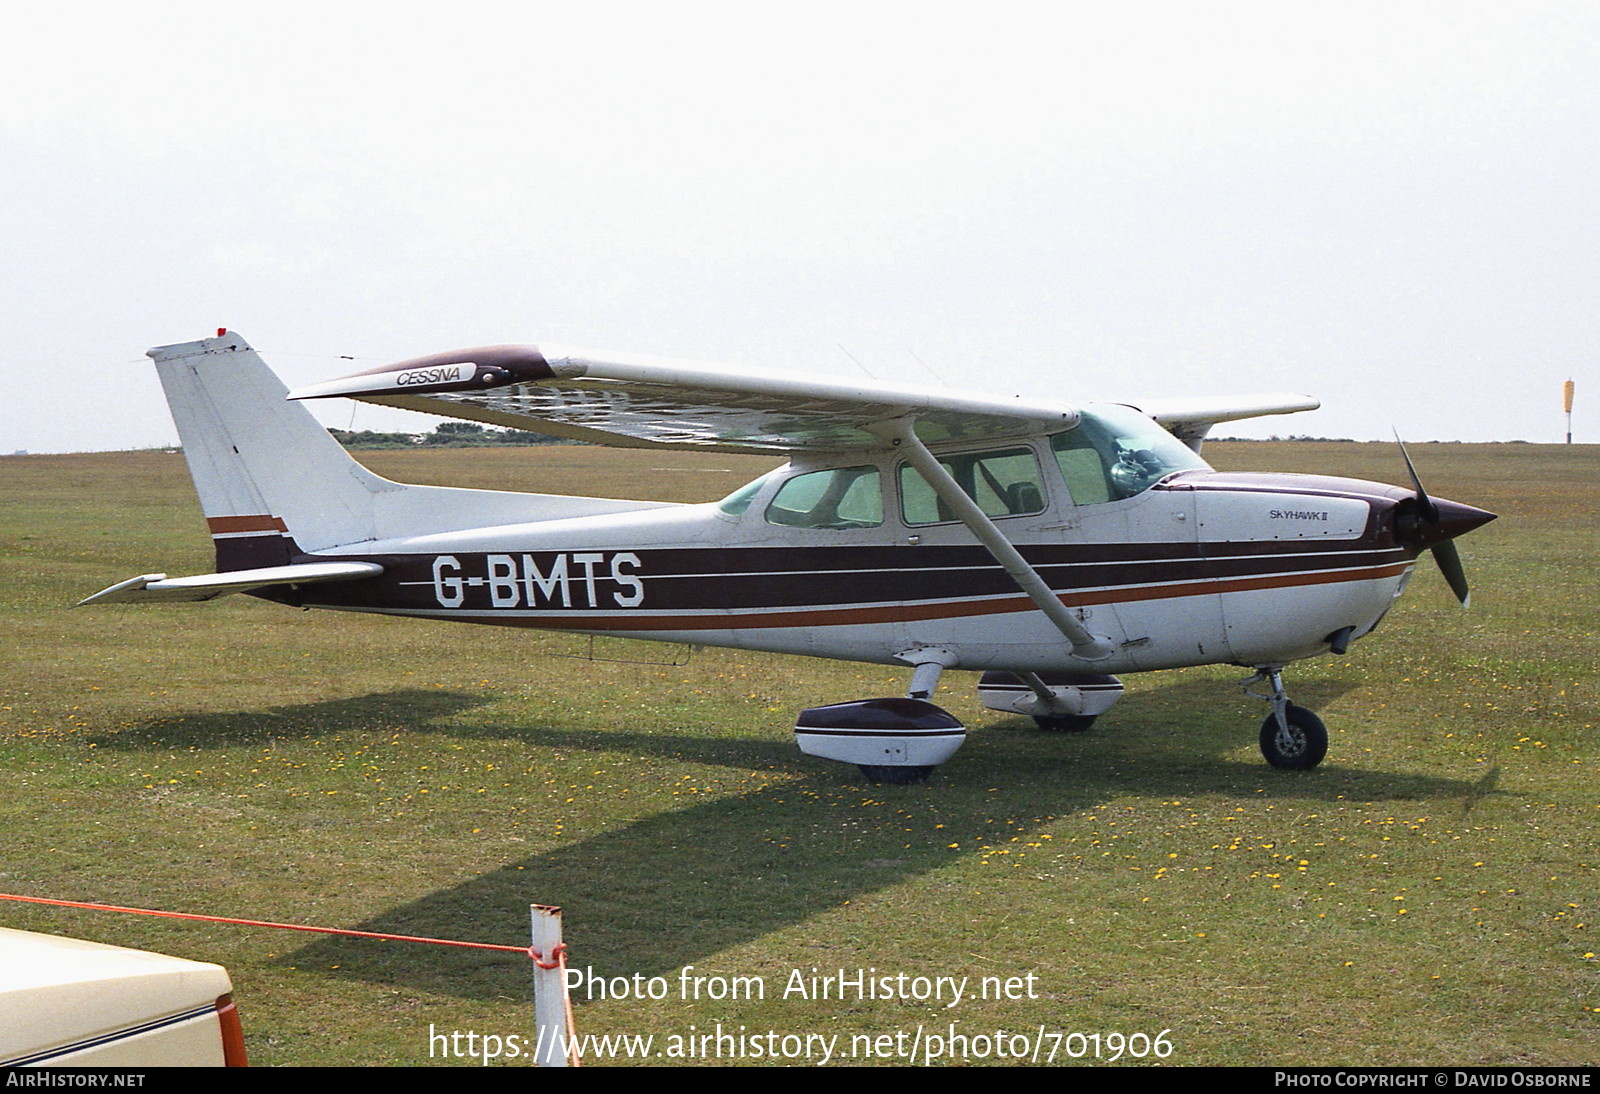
[(1004, 483), (1081, 467), (838, 498)]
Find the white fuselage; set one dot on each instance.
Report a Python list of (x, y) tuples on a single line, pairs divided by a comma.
[(1201, 568)]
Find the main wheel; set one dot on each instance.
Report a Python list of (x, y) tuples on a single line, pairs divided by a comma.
[(902, 775), (1064, 723), (1303, 747)]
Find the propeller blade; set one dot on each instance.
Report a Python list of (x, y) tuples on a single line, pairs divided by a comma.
[(1441, 529), (1449, 560), (1429, 511)]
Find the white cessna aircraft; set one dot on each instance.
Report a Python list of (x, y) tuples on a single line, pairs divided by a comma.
[(1049, 545)]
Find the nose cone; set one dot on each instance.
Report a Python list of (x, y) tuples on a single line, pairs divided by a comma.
[(1454, 519), (1422, 523)]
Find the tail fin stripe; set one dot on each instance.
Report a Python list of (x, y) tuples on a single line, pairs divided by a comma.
[(221, 526)]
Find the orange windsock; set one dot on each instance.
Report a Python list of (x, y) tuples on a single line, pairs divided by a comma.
[(1566, 396)]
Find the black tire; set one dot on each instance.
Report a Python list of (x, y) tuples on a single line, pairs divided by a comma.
[(1064, 723), (1308, 740), (904, 775)]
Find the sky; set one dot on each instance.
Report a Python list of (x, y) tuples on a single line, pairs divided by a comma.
[(1391, 207)]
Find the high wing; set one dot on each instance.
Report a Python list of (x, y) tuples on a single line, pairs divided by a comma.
[(651, 402), (1191, 419)]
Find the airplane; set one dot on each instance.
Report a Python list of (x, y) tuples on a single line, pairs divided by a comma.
[(1048, 546)]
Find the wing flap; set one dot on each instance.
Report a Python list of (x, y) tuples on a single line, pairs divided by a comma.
[(160, 589)]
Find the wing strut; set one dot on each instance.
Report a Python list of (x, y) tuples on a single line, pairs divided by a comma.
[(900, 433)]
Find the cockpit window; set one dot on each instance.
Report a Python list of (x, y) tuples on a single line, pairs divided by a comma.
[(1004, 483), (838, 498), (1116, 452)]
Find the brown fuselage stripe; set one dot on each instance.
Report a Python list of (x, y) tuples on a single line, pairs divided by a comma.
[(261, 523), (903, 613)]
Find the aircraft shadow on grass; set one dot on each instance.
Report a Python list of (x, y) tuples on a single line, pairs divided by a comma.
[(403, 709), (673, 888)]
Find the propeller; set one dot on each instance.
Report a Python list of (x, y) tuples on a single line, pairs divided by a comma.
[(1434, 526)]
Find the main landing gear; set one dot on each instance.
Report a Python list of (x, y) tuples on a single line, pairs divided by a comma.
[(902, 740), (1058, 702), (1292, 737), (896, 741)]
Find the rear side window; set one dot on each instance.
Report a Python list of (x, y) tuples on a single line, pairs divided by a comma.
[(1004, 483), (838, 498), (737, 502)]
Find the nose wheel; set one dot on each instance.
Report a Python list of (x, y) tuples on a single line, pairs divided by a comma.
[(1299, 744), (1292, 737)]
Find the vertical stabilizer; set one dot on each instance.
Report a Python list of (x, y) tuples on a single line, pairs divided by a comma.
[(273, 483)]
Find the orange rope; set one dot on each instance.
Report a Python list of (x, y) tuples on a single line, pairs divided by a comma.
[(559, 954), (526, 951)]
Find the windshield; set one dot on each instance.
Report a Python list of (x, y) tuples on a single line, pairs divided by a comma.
[(1115, 452)]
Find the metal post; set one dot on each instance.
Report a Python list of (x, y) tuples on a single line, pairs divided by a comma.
[(554, 1032)]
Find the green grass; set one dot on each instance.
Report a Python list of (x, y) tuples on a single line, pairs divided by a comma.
[(1428, 896)]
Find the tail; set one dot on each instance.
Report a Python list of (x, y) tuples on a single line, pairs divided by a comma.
[(274, 485)]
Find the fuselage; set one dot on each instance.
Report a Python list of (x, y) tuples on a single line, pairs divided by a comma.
[(850, 558)]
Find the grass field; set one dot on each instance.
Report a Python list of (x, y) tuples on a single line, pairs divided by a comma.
[(1430, 895)]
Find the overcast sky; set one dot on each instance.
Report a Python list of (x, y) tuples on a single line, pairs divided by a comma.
[(1392, 207)]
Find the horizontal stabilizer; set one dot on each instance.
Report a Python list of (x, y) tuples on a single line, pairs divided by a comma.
[(159, 589)]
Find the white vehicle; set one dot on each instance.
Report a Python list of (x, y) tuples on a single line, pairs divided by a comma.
[(69, 1003), (1050, 546)]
